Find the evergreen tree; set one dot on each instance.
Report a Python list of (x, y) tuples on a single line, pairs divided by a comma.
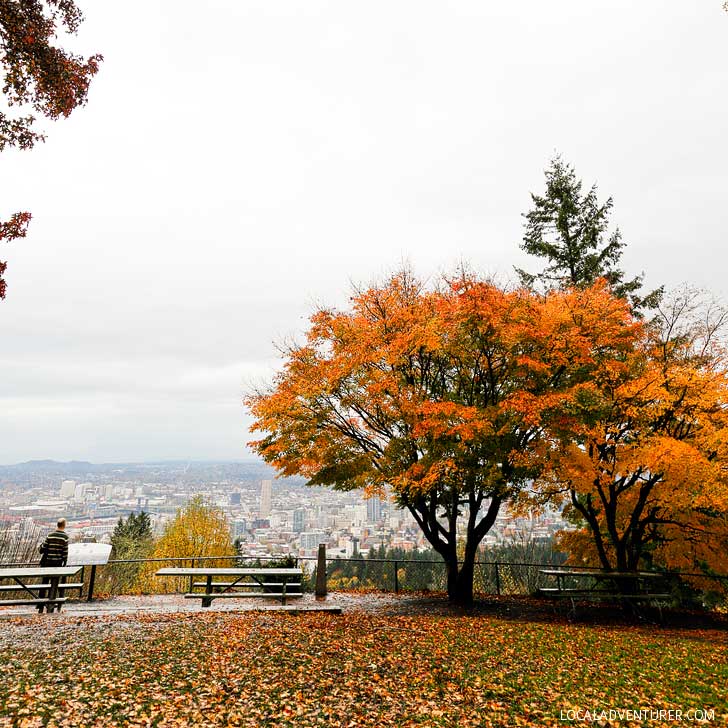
[(570, 230), (132, 536), (132, 539)]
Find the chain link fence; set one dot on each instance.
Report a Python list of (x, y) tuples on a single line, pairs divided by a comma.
[(136, 576)]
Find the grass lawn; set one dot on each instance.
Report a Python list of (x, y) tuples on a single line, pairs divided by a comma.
[(355, 669)]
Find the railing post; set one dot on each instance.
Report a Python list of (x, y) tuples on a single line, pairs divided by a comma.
[(497, 579), (321, 571), (396, 578), (92, 580)]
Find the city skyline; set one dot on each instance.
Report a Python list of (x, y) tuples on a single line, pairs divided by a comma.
[(266, 517)]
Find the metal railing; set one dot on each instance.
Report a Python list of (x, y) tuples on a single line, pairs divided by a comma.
[(136, 576)]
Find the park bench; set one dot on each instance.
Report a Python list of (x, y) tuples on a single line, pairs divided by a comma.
[(43, 594), (593, 586), (271, 583)]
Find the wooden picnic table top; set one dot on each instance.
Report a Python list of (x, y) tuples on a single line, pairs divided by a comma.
[(38, 571), (214, 571), (601, 574)]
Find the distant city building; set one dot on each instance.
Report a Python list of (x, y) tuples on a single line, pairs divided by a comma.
[(310, 540), (266, 488), (299, 520), (68, 488), (239, 528), (374, 509), (79, 491), (360, 515), (235, 498)]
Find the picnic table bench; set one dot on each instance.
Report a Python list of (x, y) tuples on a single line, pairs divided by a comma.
[(239, 583), (605, 586), (44, 594)]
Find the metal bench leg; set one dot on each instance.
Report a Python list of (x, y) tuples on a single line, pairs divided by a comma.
[(208, 590), (52, 593), (571, 615)]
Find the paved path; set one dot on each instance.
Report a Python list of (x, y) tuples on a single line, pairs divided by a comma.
[(174, 603)]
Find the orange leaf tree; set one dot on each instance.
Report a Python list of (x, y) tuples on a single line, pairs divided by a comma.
[(38, 75), (639, 454), (438, 393)]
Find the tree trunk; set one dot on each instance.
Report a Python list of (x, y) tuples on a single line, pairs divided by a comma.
[(460, 579)]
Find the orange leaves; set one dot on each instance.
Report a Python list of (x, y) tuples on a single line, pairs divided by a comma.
[(38, 74), (355, 669), (641, 450), (465, 391), (424, 387)]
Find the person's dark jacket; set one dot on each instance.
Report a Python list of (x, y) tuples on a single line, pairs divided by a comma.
[(54, 549)]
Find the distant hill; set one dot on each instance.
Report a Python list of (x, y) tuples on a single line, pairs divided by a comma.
[(42, 472), (50, 466)]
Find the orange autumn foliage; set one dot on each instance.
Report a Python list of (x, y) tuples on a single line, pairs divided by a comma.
[(639, 457), (440, 393), (38, 76)]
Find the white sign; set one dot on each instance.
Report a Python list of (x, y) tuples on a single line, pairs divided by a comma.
[(88, 554)]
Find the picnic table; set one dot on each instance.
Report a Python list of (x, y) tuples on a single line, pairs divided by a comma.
[(239, 582), (597, 585), (44, 594)]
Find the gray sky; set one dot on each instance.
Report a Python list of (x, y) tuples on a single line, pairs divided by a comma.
[(239, 161)]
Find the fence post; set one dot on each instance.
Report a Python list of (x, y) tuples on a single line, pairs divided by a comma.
[(497, 579), (396, 578), (321, 571), (92, 580)]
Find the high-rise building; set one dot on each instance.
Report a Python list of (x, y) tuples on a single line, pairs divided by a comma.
[(360, 515), (299, 520), (374, 509), (239, 527), (68, 488), (266, 487)]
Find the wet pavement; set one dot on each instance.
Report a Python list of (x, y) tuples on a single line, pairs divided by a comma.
[(176, 603)]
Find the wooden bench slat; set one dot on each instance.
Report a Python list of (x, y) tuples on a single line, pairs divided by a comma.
[(211, 571), (17, 587), (38, 572), (578, 594), (247, 583), (20, 602), (242, 595)]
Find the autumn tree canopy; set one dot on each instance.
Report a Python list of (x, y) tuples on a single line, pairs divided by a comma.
[(639, 457), (437, 393), (198, 529), (39, 77)]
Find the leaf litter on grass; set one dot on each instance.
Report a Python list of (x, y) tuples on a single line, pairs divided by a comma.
[(356, 669)]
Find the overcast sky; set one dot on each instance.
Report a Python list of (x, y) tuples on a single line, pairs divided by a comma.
[(238, 162)]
